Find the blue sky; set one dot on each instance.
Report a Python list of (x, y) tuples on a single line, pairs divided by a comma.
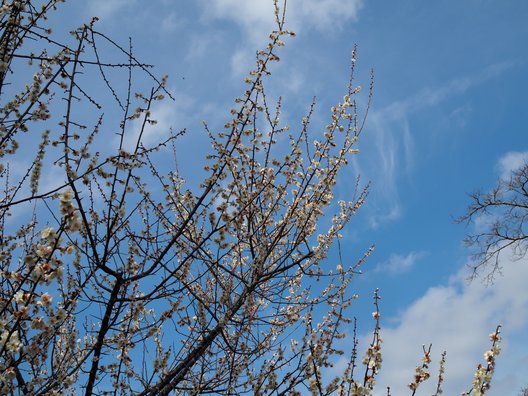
[(448, 117)]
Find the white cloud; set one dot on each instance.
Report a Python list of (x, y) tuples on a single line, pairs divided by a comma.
[(294, 82), (399, 264), (511, 161), (458, 317), (257, 19), (325, 14), (169, 115), (105, 9), (200, 47), (242, 61), (171, 22)]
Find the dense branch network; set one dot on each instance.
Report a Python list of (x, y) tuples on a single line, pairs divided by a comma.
[(500, 217), (117, 278)]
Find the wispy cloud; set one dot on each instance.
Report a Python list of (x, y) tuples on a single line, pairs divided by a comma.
[(169, 115), (428, 96), (105, 9), (171, 22), (510, 162), (200, 47), (399, 264), (391, 155), (242, 60), (387, 157)]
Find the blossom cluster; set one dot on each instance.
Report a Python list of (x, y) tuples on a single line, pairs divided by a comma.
[(127, 278)]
